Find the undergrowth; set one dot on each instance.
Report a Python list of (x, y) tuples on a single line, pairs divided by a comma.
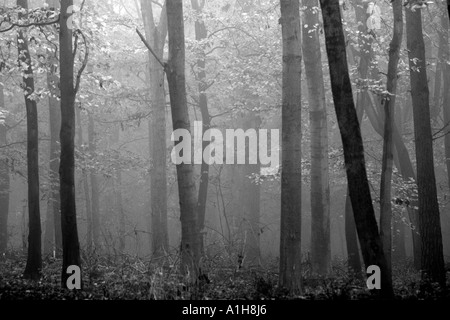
[(132, 278)]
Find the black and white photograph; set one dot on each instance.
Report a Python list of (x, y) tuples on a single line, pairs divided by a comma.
[(230, 158)]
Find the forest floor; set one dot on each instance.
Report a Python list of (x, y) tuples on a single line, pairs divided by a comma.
[(131, 278)]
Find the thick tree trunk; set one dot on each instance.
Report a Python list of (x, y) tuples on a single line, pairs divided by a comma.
[(4, 181), (429, 218), (351, 239), (389, 111), (175, 70), (201, 33), (369, 238), (320, 189), (291, 176), (440, 66), (156, 37), (95, 192), (71, 246), (34, 260), (445, 92)]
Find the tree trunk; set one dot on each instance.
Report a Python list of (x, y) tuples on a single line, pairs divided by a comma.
[(250, 196), (351, 239), (53, 240), (120, 210), (291, 176), (201, 33), (439, 72), (445, 91), (429, 218), (175, 70), (4, 180), (34, 260), (94, 186), (389, 111), (406, 170), (360, 196), (320, 189), (86, 189), (156, 37), (71, 246)]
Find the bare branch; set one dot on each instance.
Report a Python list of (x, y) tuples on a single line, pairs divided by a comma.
[(149, 48), (85, 61)]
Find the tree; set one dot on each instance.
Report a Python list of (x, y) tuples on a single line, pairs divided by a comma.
[(175, 71), (53, 237), (156, 37), (432, 259), (85, 179), (291, 175), (4, 178), (71, 246), (389, 111), (361, 199), (95, 192), (201, 33), (443, 60), (34, 259), (320, 189)]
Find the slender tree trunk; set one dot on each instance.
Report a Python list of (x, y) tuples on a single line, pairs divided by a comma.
[(71, 246), (429, 218), (156, 37), (250, 197), (120, 210), (369, 238), (53, 240), (201, 33), (320, 189), (406, 170), (175, 70), (34, 260), (389, 111), (4, 180), (86, 189), (291, 176), (95, 192)]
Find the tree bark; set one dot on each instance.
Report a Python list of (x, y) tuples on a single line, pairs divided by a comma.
[(95, 192), (389, 111), (369, 238), (4, 180), (429, 218), (71, 246), (34, 260), (86, 189), (351, 239), (406, 170), (175, 70), (120, 210), (291, 176), (445, 92), (156, 37), (320, 189), (53, 240), (201, 33)]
